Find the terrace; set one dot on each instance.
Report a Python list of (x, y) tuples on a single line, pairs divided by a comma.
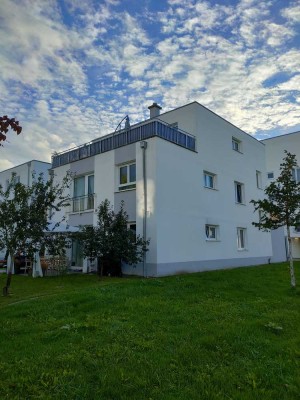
[(154, 128)]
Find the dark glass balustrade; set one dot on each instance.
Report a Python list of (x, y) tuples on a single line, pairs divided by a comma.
[(123, 138)]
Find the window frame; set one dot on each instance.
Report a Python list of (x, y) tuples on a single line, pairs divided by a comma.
[(129, 184), (211, 228), (296, 174), (236, 144), (85, 202), (258, 179), (210, 175), (242, 192), (241, 239)]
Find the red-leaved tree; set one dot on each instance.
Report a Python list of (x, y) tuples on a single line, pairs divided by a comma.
[(6, 124)]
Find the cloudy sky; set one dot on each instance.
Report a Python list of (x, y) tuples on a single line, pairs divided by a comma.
[(72, 69)]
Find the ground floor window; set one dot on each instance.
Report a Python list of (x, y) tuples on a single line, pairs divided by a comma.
[(77, 256), (241, 238), (211, 232)]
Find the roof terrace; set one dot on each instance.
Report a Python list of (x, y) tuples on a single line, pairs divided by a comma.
[(136, 133)]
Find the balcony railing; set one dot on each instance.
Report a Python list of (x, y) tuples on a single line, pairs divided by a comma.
[(83, 203), (125, 137)]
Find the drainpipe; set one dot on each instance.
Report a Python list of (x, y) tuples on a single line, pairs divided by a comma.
[(144, 147), (28, 173)]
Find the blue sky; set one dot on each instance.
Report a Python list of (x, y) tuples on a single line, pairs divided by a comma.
[(71, 70)]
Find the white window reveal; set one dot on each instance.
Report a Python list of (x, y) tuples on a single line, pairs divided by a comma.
[(127, 176), (211, 232), (209, 180), (239, 192), (83, 195), (241, 238), (296, 174), (258, 180), (236, 145)]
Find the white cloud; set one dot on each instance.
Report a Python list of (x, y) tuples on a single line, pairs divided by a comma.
[(292, 13), (70, 82)]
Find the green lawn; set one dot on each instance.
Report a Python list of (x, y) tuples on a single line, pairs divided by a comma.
[(231, 334)]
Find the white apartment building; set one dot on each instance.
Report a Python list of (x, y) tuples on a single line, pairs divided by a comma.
[(186, 177), (24, 172), (275, 148)]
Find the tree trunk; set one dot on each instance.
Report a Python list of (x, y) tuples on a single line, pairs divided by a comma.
[(9, 274), (292, 272)]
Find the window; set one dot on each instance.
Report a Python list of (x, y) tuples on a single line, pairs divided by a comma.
[(236, 145), (209, 180), (83, 195), (241, 238), (260, 216), (211, 232), (296, 174), (270, 175), (239, 192), (258, 180), (132, 226), (127, 176)]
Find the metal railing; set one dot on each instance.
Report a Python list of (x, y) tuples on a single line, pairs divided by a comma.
[(83, 203), (125, 137)]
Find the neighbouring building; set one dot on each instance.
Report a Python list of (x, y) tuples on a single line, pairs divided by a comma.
[(24, 172), (275, 148), (186, 177)]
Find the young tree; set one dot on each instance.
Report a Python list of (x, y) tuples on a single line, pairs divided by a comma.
[(281, 205), (111, 241), (25, 216), (6, 124)]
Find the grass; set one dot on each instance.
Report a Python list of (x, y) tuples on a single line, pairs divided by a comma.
[(231, 334)]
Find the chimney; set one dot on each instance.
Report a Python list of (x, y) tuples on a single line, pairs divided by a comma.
[(154, 110)]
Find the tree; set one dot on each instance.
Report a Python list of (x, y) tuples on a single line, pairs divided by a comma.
[(6, 124), (281, 205), (25, 217), (111, 241)]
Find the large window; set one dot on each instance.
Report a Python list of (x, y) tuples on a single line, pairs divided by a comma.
[(239, 192), (127, 176), (209, 180), (236, 145), (211, 232), (241, 238), (83, 195)]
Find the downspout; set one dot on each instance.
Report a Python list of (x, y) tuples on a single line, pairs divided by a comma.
[(144, 147), (28, 173)]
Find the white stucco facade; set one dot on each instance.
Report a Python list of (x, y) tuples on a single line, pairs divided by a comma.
[(24, 172), (275, 152), (191, 226)]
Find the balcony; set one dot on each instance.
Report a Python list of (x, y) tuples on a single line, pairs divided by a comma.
[(83, 203), (125, 137)]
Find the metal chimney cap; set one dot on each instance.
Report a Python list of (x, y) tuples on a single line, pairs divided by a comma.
[(154, 105)]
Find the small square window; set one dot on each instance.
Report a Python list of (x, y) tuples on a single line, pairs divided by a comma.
[(270, 175), (211, 232), (209, 180), (236, 145), (241, 238)]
